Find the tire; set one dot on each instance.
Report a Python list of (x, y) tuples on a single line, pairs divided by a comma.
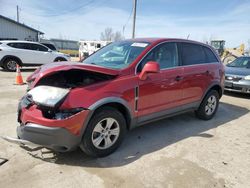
[(208, 106), (10, 64), (58, 59), (99, 142)]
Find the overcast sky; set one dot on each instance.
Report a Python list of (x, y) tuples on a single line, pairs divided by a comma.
[(86, 19)]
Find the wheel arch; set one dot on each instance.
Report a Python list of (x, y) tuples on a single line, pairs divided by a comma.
[(60, 58), (13, 57), (215, 86), (120, 104)]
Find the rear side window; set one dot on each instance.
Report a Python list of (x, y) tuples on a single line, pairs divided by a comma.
[(25, 46), (38, 47), (210, 57), (192, 54)]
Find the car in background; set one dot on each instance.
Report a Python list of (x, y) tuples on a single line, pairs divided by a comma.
[(125, 84), (26, 53), (50, 46), (237, 75)]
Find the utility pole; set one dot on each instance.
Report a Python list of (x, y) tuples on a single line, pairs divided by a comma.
[(17, 13), (134, 18)]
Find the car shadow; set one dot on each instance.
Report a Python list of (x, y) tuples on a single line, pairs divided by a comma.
[(22, 69), (239, 95), (149, 138)]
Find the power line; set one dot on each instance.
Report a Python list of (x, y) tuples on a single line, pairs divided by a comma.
[(71, 10), (125, 25)]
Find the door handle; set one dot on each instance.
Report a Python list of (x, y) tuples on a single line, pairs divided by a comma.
[(207, 72), (178, 78)]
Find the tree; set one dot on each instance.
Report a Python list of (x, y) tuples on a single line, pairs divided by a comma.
[(109, 35), (118, 36)]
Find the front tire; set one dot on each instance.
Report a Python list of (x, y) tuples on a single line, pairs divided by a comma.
[(208, 106), (104, 132), (10, 64)]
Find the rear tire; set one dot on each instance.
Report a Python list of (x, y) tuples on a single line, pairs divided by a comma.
[(208, 106), (104, 133), (10, 64)]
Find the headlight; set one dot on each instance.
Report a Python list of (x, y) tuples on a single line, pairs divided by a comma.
[(47, 95), (247, 77)]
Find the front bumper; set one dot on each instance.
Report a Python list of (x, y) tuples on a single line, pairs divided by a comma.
[(56, 138), (240, 87), (58, 134)]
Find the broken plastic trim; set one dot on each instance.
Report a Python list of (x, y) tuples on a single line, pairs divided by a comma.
[(64, 114), (61, 114), (3, 160)]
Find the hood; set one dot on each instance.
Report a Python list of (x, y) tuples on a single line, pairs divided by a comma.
[(51, 68), (237, 71)]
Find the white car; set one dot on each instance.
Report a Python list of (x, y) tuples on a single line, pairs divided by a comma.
[(26, 53)]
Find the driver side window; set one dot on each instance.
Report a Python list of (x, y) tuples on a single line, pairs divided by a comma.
[(165, 54)]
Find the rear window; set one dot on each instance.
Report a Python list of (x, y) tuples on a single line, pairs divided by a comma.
[(210, 57), (192, 54), (19, 45), (38, 47)]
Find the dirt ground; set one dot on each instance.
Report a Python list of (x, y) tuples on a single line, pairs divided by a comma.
[(181, 151)]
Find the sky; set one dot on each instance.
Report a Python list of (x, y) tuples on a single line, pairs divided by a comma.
[(201, 20)]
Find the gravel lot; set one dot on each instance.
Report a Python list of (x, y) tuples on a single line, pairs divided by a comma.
[(181, 151)]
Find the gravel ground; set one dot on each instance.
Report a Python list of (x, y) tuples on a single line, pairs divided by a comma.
[(181, 151)]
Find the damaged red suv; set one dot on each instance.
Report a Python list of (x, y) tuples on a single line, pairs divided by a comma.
[(93, 103)]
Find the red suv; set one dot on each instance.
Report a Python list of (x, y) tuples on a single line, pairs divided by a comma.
[(123, 85)]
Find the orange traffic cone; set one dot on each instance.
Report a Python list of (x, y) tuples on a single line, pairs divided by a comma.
[(19, 78)]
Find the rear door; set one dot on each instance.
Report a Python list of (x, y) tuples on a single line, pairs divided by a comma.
[(41, 54), (198, 74)]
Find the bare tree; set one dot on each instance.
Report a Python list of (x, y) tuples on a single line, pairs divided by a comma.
[(118, 36), (109, 35)]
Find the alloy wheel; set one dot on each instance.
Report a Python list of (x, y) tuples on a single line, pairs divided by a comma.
[(211, 105), (105, 133)]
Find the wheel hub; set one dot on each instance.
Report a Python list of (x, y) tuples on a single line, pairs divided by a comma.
[(105, 133)]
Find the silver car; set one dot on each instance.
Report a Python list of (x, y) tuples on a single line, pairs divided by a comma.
[(237, 77)]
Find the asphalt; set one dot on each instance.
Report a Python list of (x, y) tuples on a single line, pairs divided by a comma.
[(181, 151)]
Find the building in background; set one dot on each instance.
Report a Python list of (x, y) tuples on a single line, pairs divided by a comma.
[(70, 47), (13, 30)]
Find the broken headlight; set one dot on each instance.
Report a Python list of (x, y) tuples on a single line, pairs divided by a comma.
[(48, 96)]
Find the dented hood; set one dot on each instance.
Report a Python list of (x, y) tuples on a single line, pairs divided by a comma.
[(64, 66)]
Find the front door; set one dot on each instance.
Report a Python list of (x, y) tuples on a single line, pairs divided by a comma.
[(160, 91)]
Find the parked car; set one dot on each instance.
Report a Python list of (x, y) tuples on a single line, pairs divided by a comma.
[(237, 77), (50, 46), (92, 104), (25, 53)]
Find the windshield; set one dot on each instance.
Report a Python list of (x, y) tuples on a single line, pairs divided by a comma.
[(117, 55), (242, 62)]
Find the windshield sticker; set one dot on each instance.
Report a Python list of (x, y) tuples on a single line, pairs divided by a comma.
[(137, 44)]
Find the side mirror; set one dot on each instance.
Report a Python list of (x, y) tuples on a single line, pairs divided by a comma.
[(149, 67), (49, 50)]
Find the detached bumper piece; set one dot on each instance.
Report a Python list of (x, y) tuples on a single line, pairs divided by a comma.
[(56, 138)]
